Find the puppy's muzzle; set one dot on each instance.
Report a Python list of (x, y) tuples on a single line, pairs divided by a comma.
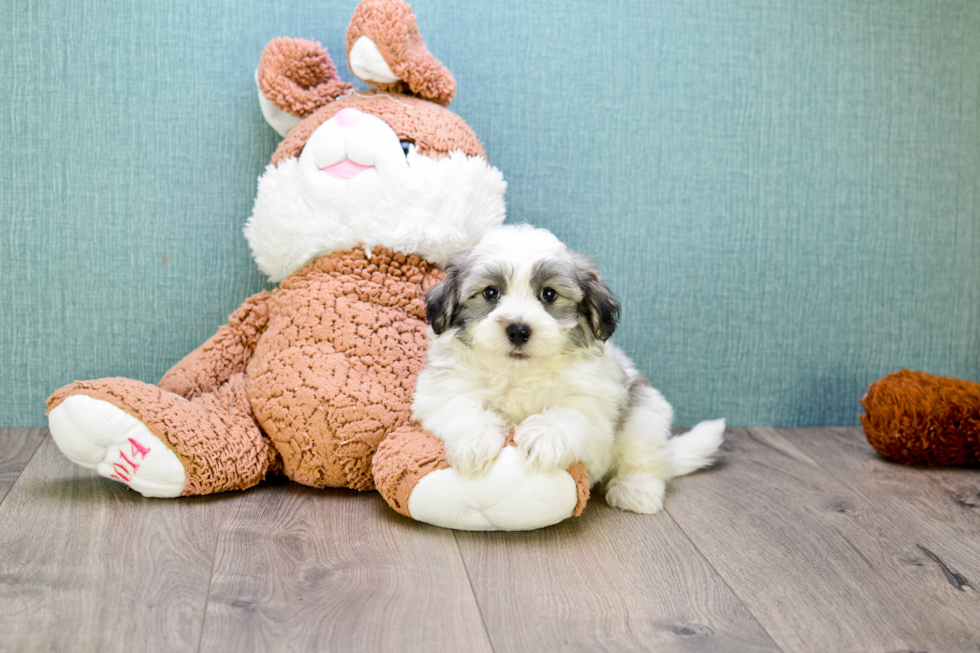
[(518, 334)]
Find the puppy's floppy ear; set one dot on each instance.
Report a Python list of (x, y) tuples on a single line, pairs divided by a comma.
[(385, 49), (295, 78), (599, 305), (442, 301)]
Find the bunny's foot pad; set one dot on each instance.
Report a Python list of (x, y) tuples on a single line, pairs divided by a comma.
[(412, 474), (97, 435)]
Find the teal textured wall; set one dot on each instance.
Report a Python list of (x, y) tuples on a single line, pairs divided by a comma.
[(785, 194)]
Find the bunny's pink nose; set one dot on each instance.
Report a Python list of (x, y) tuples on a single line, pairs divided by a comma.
[(349, 117)]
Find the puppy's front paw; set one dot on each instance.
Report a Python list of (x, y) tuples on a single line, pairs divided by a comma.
[(544, 444), (474, 453)]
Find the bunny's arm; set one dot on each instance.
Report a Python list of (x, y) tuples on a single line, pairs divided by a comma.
[(225, 353)]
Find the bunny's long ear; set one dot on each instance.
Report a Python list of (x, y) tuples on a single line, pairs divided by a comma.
[(385, 49), (295, 78)]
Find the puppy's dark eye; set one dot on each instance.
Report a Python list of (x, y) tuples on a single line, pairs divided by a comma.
[(549, 295), (405, 146), (490, 293)]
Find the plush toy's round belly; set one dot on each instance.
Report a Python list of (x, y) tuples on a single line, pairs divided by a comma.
[(335, 370)]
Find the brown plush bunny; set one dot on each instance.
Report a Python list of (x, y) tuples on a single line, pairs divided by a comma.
[(923, 419), (366, 196)]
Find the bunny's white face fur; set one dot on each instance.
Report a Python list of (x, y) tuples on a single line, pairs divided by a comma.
[(402, 200), (389, 167)]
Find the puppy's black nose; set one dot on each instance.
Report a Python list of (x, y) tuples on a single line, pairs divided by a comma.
[(518, 334)]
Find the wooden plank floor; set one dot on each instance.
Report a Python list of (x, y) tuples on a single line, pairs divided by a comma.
[(798, 540)]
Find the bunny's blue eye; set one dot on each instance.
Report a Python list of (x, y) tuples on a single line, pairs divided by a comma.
[(405, 146)]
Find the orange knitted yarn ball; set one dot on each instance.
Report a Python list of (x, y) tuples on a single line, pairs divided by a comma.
[(922, 419)]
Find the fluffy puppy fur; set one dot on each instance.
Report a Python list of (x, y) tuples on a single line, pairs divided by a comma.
[(518, 340)]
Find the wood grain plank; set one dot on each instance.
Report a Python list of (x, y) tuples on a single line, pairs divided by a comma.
[(87, 565), (16, 448), (334, 570), (606, 581), (819, 562), (937, 506)]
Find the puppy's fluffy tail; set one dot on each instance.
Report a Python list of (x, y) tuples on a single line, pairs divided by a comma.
[(696, 449)]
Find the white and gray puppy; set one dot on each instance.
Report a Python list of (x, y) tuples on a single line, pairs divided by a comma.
[(518, 340)]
